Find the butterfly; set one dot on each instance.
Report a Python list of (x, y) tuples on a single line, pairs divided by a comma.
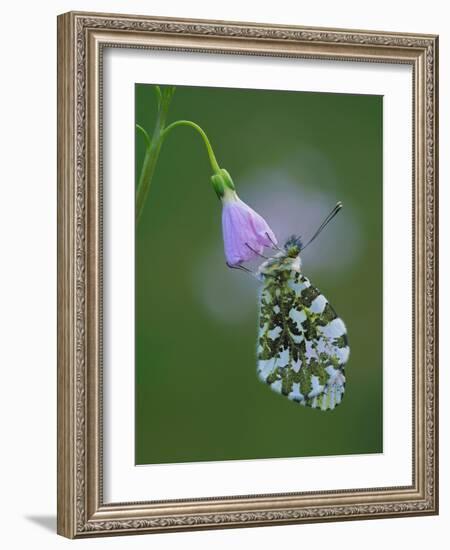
[(302, 344)]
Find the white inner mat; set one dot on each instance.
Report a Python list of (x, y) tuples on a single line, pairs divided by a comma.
[(125, 482)]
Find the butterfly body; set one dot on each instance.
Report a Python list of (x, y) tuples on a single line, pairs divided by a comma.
[(302, 343)]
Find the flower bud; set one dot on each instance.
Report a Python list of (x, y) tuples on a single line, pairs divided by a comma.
[(245, 232)]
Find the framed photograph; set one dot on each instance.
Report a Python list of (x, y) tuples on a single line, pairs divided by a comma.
[(247, 287)]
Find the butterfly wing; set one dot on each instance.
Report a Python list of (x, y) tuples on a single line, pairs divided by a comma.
[(302, 343)]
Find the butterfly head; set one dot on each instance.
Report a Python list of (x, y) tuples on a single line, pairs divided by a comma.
[(293, 246), (288, 258)]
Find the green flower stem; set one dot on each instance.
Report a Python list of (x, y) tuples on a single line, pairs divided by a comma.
[(214, 164), (153, 148), (164, 96)]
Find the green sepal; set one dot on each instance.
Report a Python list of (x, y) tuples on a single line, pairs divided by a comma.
[(221, 181)]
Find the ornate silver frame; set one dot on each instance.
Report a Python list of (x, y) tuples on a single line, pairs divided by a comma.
[(81, 39)]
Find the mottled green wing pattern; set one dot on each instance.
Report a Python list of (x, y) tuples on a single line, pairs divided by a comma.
[(302, 343)]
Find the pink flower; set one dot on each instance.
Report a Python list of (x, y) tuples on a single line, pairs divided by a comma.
[(245, 232)]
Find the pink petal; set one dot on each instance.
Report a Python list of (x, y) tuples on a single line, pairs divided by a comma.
[(245, 232)]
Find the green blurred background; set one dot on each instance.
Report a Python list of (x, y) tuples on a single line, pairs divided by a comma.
[(292, 155)]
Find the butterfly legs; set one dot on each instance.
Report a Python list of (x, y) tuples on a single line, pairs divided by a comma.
[(241, 267), (274, 244), (256, 252)]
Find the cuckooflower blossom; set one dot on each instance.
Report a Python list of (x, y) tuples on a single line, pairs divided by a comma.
[(245, 232)]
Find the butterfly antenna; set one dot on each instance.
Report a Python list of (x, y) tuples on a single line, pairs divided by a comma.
[(325, 222)]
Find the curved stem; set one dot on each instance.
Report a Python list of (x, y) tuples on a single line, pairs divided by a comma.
[(148, 141), (214, 164), (164, 96)]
